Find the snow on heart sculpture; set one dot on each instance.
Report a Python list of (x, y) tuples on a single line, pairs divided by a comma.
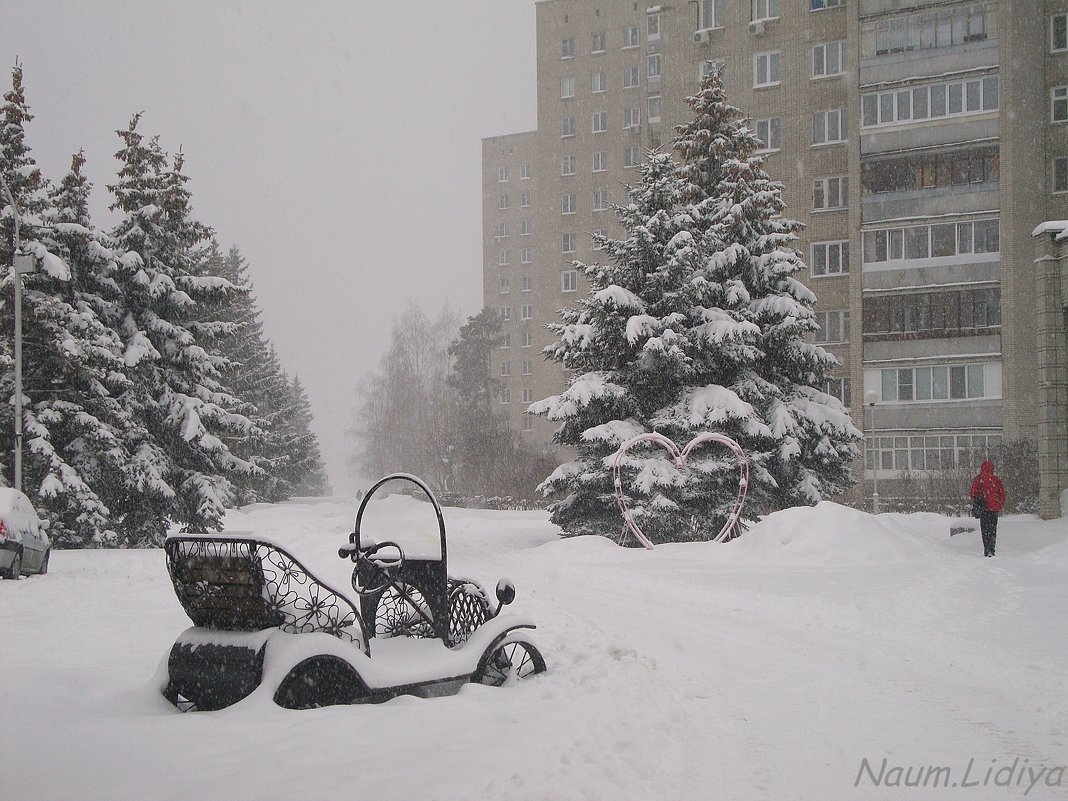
[(679, 458)]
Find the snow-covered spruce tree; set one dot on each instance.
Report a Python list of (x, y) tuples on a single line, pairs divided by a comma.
[(479, 429), (72, 424), (303, 471), (254, 375), (697, 324), (180, 465)]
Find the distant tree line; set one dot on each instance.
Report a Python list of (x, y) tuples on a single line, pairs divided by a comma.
[(431, 408), (151, 395)]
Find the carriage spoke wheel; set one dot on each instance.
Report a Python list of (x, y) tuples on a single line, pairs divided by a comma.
[(510, 662)]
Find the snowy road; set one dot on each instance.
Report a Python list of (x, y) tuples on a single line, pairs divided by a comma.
[(768, 668)]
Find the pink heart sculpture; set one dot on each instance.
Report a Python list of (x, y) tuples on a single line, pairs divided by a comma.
[(679, 459)]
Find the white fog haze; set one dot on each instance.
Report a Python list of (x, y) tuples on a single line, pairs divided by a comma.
[(337, 144)]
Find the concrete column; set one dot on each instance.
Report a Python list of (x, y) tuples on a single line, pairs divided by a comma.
[(1051, 345)]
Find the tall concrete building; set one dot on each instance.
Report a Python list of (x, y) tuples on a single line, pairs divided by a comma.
[(920, 142)]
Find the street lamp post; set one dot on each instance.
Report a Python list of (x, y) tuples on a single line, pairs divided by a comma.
[(20, 263), (870, 397)]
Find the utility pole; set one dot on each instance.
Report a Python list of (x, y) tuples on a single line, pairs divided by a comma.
[(20, 263)]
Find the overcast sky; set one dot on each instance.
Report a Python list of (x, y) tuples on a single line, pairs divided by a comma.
[(336, 143)]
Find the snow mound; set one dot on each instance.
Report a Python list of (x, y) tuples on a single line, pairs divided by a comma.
[(831, 534)]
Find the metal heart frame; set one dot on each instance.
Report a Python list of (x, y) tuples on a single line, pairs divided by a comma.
[(679, 457)]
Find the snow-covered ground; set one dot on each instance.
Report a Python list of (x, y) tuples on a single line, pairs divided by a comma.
[(828, 654)]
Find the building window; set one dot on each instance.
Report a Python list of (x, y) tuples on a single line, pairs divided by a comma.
[(600, 199), (652, 26), (568, 242), (567, 126), (598, 82), (828, 59), (505, 313), (1058, 34), (502, 258), (766, 69), (528, 395), (506, 395), (952, 99), (528, 423), (830, 193), (765, 9), (502, 175), (567, 165), (632, 36), (524, 228), (502, 203), (830, 258), (632, 117), (567, 48), (632, 77), (524, 172), (569, 281), (526, 284), (598, 43), (526, 312), (600, 161), (834, 326), (1058, 101), (718, 66), (524, 200), (941, 382), (652, 65), (829, 127), (942, 240), (528, 366), (931, 314), (930, 171), (525, 255), (1060, 174), (632, 156), (711, 14), (568, 204), (840, 388), (600, 122), (506, 340), (927, 30), (931, 452), (528, 339), (654, 109), (819, 5), (769, 132), (502, 230), (567, 87), (505, 289)]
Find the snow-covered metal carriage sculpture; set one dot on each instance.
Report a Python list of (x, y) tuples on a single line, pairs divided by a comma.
[(263, 622)]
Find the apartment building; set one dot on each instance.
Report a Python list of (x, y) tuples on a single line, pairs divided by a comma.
[(921, 143)]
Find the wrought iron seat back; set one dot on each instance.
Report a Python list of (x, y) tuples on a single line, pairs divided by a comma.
[(241, 584), (415, 602), (415, 596)]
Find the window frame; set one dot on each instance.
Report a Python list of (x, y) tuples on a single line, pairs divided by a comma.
[(823, 185), (769, 57), (842, 248), (1053, 20), (826, 115), (773, 139), (843, 55), (569, 281)]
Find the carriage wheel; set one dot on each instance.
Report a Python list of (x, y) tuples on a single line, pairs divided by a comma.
[(510, 662), (321, 681)]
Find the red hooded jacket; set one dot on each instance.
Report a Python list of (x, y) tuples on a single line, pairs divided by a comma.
[(990, 487)]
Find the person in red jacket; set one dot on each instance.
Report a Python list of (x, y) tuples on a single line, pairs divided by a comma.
[(988, 487)]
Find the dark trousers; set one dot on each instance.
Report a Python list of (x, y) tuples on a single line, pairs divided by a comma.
[(988, 526)]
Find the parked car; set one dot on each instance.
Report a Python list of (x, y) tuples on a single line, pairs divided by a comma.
[(24, 545)]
